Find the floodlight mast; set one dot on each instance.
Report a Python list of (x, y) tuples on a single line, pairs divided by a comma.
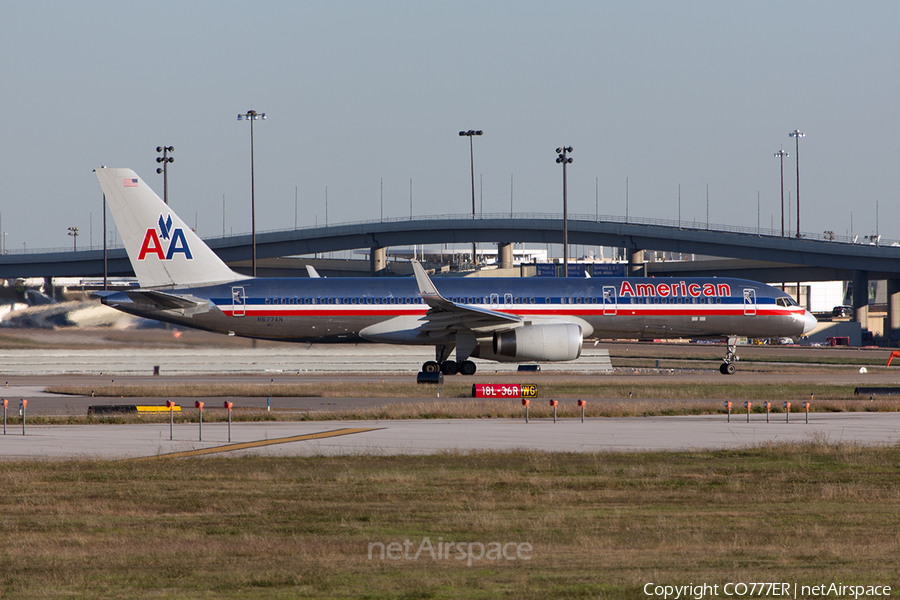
[(469, 134), (165, 160), (781, 154), (252, 115), (564, 159), (797, 134)]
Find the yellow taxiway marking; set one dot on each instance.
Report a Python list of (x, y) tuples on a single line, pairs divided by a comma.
[(261, 443)]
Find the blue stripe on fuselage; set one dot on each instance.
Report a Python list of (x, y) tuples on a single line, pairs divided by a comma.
[(472, 290)]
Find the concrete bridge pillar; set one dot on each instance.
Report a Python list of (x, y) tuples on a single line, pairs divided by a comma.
[(861, 298), (505, 254), (378, 261), (635, 263), (48, 288), (893, 311)]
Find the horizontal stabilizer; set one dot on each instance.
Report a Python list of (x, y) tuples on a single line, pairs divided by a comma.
[(154, 300)]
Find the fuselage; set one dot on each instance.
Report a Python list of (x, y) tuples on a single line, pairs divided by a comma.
[(354, 309)]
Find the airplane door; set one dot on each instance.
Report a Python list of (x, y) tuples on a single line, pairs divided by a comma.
[(238, 302), (495, 301), (609, 300), (749, 301), (507, 300)]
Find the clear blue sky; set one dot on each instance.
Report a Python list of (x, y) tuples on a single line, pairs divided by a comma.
[(663, 93)]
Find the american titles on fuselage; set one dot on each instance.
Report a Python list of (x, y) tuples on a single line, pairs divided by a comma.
[(675, 289)]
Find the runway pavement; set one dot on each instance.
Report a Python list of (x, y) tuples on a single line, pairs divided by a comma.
[(274, 360), (115, 442)]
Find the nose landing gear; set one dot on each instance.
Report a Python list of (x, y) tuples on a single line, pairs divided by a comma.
[(728, 367)]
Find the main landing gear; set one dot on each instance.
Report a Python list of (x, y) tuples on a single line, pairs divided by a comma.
[(450, 367), (446, 366), (727, 367)]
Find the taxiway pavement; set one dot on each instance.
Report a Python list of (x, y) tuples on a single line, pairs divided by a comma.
[(116, 442)]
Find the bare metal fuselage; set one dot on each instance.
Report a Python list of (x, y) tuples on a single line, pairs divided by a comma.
[(391, 310)]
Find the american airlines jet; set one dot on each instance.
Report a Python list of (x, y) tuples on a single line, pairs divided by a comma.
[(500, 319)]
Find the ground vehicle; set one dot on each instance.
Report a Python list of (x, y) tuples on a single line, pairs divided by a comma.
[(842, 311)]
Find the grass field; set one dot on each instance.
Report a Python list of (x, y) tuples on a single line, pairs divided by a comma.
[(616, 400), (573, 388), (586, 525)]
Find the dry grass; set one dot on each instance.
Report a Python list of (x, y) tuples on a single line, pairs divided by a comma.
[(607, 400), (468, 409), (601, 525), (575, 388)]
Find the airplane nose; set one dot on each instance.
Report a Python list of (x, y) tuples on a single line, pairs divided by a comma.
[(809, 322)]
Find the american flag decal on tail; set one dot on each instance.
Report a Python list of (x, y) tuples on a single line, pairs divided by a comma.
[(130, 182)]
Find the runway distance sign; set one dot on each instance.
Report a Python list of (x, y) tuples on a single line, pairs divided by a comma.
[(504, 390)]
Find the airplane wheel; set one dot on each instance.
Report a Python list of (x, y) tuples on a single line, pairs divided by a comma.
[(450, 367), (467, 368), (431, 367), (727, 368)]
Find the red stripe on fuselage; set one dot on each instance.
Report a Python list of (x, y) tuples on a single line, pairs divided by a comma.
[(593, 311)]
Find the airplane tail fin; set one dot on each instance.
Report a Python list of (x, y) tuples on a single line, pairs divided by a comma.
[(163, 250)]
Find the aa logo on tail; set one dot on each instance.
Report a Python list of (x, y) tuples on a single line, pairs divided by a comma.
[(176, 241)]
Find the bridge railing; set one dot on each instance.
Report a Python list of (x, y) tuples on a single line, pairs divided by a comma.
[(668, 223)]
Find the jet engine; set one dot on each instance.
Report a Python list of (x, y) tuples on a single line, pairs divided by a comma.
[(550, 342)]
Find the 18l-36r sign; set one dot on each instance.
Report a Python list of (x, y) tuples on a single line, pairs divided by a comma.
[(504, 390)]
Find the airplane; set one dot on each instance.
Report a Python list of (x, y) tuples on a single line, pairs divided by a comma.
[(182, 281)]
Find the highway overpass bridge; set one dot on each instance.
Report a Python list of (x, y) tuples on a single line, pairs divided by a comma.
[(772, 258)]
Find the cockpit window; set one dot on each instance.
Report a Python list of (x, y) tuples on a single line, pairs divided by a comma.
[(786, 301)]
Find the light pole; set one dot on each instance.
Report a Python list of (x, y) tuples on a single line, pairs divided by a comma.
[(781, 154), (73, 231), (469, 134), (105, 257), (252, 115), (565, 160), (165, 160), (797, 134)]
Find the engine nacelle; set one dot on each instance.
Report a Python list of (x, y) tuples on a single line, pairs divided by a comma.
[(550, 342)]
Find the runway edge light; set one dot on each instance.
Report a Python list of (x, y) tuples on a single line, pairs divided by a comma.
[(229, 406)]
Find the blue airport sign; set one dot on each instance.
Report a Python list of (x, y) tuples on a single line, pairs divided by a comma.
[(577, 270), (546, 270), (608, 270)]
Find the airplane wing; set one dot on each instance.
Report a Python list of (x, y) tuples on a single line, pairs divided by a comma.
[(444, 315)]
